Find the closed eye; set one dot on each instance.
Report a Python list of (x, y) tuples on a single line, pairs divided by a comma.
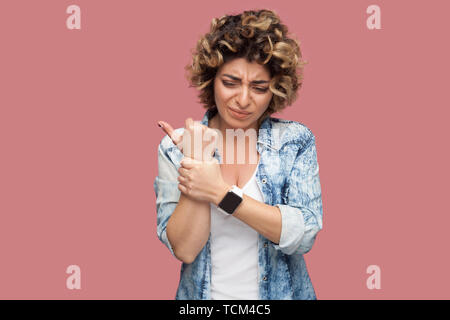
[(231, 84)]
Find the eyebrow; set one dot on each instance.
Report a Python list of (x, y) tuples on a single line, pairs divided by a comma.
[(254, 81)]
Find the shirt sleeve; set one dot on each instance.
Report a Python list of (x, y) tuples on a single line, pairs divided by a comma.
[(302, 214), (167, 195)]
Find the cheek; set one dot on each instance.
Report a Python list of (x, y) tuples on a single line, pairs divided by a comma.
[(263, 103), (222, 94), (218, 93), (223, 97)]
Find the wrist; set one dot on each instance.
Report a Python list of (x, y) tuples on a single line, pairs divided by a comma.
[(220, 193)]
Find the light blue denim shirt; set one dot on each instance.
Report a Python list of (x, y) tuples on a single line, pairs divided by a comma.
[(288, 176)]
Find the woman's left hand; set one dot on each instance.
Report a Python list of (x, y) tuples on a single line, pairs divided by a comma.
[(202, 180)]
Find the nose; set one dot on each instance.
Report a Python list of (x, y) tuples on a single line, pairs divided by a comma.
[(244, 97)]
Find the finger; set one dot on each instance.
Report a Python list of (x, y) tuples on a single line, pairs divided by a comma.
[(188, 163), (180, 146), (182, 188), (176, 138), (182, 180), (210, 135), (183, 172), (205, 128), (185, 184), (189, 123), (199, 124)]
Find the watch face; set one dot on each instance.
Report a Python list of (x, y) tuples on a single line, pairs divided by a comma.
[(230, 202)]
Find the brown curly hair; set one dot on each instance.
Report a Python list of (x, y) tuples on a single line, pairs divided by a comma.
[(257, 36)]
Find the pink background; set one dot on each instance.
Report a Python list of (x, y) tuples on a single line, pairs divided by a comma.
[(78, 139)]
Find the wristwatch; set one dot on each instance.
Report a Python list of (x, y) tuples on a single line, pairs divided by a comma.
[(231, 200)]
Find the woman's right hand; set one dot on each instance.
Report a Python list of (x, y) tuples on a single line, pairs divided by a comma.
[(194, 132)]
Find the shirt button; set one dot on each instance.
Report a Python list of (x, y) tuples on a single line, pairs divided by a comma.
[(265, 278), (265, 244), (264, 180)]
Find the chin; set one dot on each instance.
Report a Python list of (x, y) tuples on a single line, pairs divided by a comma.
[(240, 124)]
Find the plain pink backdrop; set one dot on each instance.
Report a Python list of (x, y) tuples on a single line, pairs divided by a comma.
[(78, 142)]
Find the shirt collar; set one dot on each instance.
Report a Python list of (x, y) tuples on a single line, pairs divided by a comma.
[(267, 136)]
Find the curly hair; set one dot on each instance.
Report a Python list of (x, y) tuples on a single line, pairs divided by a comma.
[(257, 36)]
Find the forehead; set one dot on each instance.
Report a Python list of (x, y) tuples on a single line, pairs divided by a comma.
[(240, 67)]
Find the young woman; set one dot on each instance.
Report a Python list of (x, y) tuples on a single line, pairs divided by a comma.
[(241, 229)]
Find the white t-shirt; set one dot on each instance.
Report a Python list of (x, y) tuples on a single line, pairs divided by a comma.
[(234, 253)]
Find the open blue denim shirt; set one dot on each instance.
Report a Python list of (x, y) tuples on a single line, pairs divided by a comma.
[(288, 176)]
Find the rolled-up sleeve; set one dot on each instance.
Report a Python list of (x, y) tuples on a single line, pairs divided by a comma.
[(302, 213), (167, 195)]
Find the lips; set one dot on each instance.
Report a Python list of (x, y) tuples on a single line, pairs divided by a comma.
[(238, 113)]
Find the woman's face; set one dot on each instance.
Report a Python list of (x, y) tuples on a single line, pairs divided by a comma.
[(241, 91)]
